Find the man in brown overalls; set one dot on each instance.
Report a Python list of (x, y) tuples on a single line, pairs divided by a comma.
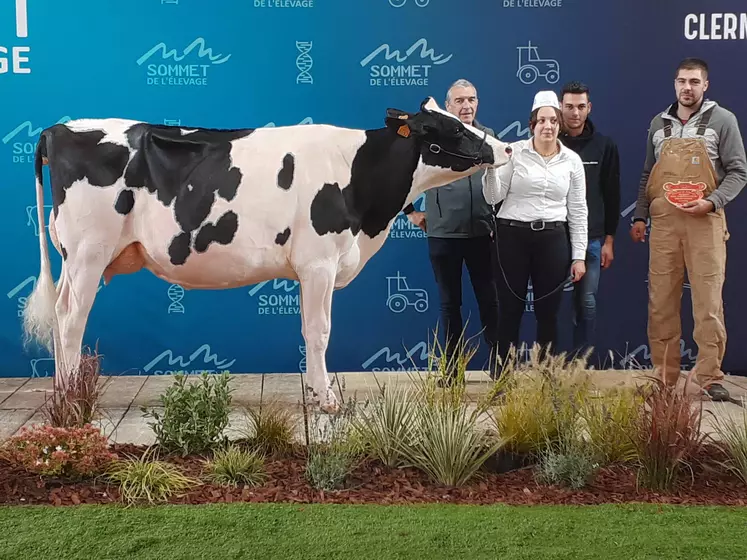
[(695, 165)]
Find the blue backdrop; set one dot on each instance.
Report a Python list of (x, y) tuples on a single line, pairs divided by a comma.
[(251, 63)]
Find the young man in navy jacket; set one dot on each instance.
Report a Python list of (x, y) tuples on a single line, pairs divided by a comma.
[(602, 165)]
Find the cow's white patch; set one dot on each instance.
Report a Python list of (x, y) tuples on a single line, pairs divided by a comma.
[(115, 129)]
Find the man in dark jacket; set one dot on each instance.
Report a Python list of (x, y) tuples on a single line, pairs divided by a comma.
[(458, 224), (602, 165)]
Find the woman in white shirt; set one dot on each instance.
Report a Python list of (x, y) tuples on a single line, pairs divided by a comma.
[(543, 190)]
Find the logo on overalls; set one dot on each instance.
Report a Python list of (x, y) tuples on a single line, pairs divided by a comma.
[(683, 192)]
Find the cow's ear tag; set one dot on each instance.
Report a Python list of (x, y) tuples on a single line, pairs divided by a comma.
[(404, 131)]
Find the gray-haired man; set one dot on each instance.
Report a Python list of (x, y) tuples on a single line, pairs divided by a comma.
[(458, 224)]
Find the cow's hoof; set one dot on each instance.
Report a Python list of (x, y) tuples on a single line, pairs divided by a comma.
[(330, 408), (330, 404)]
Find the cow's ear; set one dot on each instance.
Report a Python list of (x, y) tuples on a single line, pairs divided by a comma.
[(428, 105), (404, 124)]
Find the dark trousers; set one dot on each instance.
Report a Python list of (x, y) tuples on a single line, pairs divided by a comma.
[(545, 258), (447, 257)]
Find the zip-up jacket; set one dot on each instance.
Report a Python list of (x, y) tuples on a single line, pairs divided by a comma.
[(725, 150), (459, 209), (602, 166)]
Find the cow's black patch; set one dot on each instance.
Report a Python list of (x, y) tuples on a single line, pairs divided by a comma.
[(330, 212), (179, 249), (64, 252), (282, 237), (74, 156), (188, 170), (173, 165), (221, 232), (285, 175), (125, 202), (380, 180)]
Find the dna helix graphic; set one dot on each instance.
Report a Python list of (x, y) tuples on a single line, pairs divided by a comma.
[(175, 293), (302, 363), (304, 62)]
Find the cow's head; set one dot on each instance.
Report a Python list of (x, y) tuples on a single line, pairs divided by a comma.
[(449, 148)]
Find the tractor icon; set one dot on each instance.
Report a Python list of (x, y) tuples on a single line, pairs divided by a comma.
[(400, 295), (400, 3), (531, 66)]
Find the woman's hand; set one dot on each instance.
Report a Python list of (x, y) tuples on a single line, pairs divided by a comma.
[(578, 269)]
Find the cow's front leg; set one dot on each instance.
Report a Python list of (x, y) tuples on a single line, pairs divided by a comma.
[(317, 285)]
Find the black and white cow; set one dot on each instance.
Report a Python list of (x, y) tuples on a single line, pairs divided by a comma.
[(216, 209)]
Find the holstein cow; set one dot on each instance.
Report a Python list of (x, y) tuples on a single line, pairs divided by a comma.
[(216, 209)]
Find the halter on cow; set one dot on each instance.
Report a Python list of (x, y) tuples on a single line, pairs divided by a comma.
[(218, 209)]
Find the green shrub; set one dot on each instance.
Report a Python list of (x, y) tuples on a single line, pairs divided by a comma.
[(447, 444), (610, 420), (571, 463), (332, 452), (234, 466), (732, 434), (148, 480), (194, 414), (270, 427), (383, 424), (539, 402)]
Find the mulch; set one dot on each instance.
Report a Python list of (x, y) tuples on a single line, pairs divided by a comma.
[(373, 483)]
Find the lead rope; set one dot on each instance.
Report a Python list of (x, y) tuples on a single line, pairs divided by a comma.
[(492, 189)]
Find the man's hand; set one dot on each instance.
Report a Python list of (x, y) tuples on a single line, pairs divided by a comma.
[(608, 253), (417, 218), (638, 232), (578, 269), (699, 207)]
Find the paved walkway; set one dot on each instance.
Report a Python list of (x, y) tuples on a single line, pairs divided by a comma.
[(122, 420)]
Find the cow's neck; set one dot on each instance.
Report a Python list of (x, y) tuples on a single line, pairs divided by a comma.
[(381, 180)]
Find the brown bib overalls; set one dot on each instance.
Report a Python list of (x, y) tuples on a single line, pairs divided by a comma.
[(679, 240)]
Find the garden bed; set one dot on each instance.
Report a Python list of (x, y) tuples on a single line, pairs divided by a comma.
[(372, 483)]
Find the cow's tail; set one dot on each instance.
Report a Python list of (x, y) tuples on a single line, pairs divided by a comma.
[(39, 318)]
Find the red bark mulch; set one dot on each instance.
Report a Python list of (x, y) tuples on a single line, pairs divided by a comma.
[(373, 483)]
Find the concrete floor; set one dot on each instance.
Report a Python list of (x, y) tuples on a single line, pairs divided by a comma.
[(122, 420)]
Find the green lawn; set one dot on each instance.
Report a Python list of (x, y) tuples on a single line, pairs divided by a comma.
[(284, 531)]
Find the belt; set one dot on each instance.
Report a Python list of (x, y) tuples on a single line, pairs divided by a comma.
[(537, 225)]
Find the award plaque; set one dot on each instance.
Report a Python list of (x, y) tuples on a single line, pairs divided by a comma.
[(683, 192)]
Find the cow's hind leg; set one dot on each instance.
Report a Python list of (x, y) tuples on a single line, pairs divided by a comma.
[(79, 282), (317, 286)]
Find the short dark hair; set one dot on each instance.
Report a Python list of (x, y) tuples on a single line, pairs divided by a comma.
[(692, 63), (575, 87)]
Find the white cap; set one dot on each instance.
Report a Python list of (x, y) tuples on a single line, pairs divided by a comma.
[(545, 99)]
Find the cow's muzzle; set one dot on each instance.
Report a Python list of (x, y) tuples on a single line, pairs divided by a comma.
[(477, 158)]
